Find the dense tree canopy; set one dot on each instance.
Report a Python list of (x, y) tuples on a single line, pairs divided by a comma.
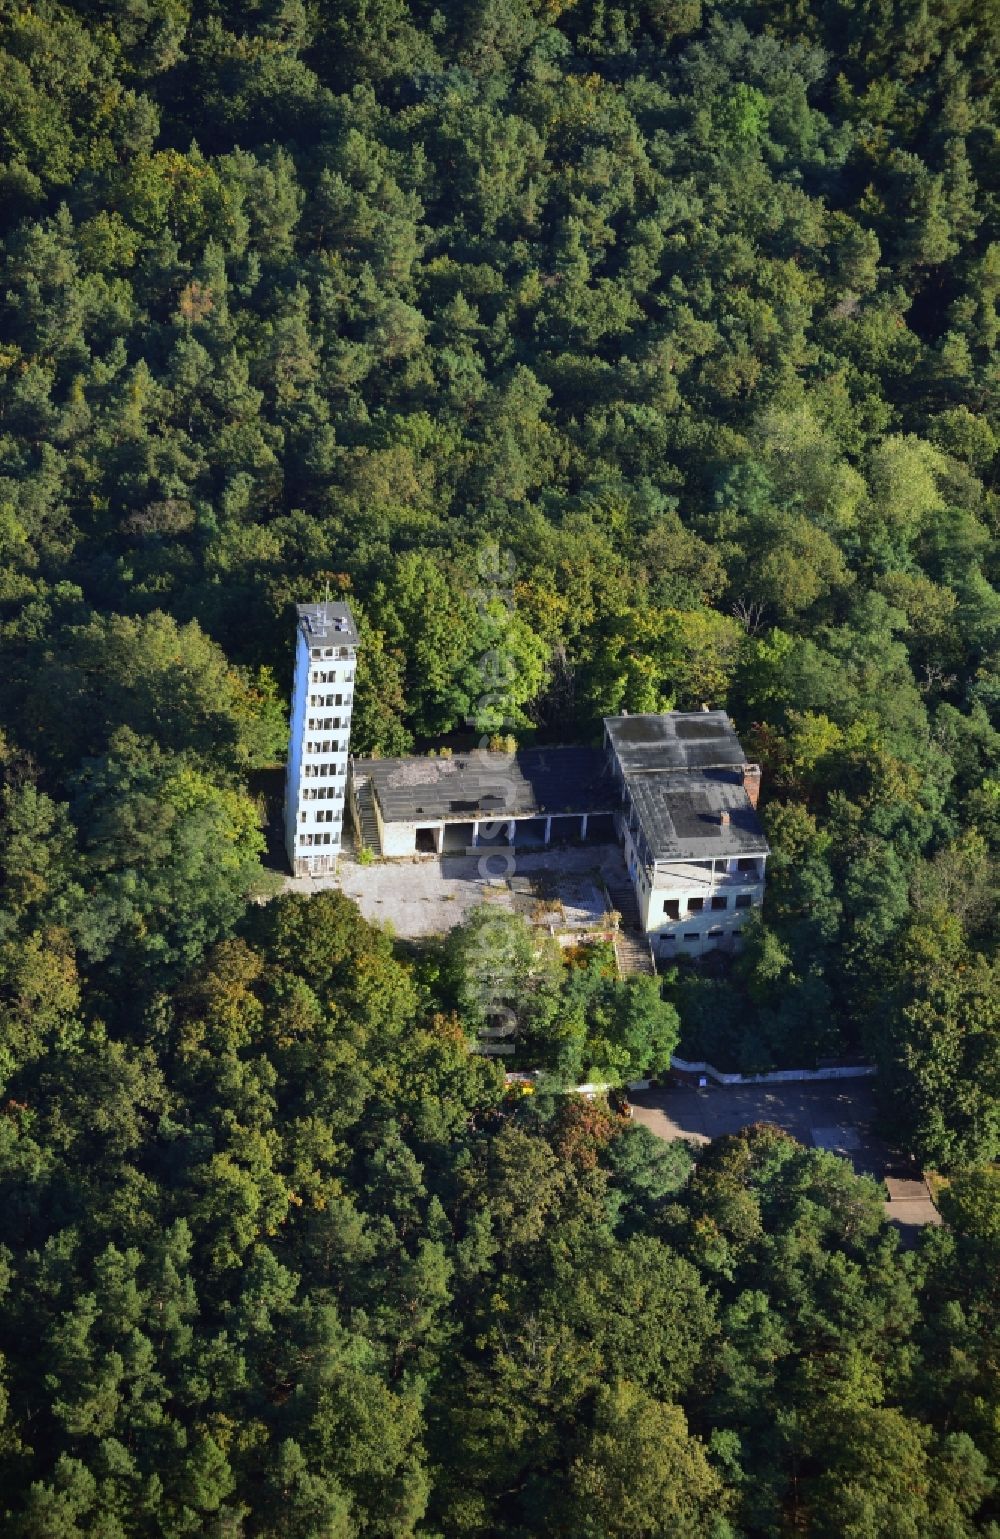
[(692, 311), (687, 312), (281, 1256)]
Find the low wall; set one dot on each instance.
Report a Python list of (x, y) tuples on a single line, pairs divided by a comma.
[(693, 1072), (696, 1070)]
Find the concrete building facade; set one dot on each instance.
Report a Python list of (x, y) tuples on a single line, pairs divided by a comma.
[(687, 819), (316, 777)]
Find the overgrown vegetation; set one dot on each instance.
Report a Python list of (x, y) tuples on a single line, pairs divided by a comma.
[(692, 310)]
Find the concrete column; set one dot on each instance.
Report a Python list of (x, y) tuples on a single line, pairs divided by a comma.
[(510, 832), (583, 826), (548, 830), (475, 834), (440, 839)]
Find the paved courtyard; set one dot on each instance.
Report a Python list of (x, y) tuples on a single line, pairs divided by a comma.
[(430, 895), (836, 1114)]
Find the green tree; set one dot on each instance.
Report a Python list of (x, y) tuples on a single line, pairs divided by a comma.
[(641, 1472), (941, 1047)]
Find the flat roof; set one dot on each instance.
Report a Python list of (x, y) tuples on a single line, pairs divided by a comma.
[(533, 782), (681, 813), (327, 624), (674, 740)]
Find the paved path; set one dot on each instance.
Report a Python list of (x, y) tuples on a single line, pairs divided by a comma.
[(837, 1115)]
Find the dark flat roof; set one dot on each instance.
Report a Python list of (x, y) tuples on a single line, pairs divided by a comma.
[(327, 624), (682, 770), (679, 811), (675, 740), (532, 782)]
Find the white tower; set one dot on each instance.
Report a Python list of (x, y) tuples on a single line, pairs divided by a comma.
[(322, 702)]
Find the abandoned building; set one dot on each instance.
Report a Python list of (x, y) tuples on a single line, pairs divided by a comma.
[(686, 815), (673, 789), (316, 778), (454, 805)]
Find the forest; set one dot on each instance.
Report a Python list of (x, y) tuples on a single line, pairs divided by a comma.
[(689, 308)]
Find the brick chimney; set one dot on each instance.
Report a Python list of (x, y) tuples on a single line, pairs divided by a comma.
[(751, 782)]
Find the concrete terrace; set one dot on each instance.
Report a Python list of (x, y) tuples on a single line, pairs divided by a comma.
[(429, 895)]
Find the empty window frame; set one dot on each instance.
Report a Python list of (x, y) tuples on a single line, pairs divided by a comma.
[(695, 905), (672, 908), (720, 904), (743, 900)]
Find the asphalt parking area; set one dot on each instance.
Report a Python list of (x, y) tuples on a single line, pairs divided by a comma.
[(838, 1115)]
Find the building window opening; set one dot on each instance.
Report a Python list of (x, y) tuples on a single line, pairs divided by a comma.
[(696, 905), (746, 864), (672, 908), (691, 935), (426, 841), (743, 900), (720, 903)]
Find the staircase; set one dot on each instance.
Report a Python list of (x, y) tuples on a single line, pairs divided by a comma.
[(623, 900), (367, 837), (633, 954), (631, 946)]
